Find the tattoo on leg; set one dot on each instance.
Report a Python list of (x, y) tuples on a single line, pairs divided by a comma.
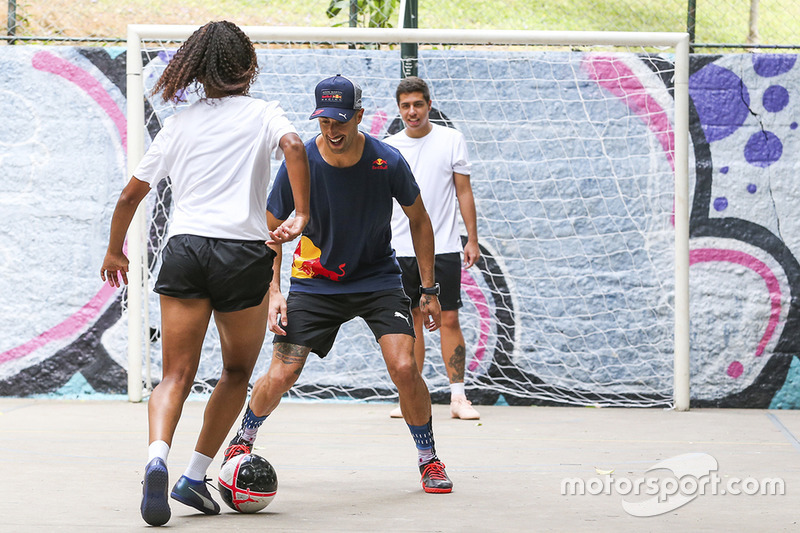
[(456, 364), (291, 354)]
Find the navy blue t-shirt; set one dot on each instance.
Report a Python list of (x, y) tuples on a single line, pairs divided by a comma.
[(346, 246)]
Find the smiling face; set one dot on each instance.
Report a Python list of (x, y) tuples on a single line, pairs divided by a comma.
[(340, 143), (338, 137), (414, 111)]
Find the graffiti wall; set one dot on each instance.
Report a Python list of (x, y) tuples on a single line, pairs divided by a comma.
[(62, 151), (62, 164), (743, 236)]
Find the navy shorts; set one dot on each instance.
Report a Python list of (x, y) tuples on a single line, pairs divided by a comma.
[(233, 274), (314, 319), (447, 270)]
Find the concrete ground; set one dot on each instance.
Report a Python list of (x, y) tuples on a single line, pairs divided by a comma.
[(77, 466)]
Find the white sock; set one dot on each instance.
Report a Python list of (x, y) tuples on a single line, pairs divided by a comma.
[(198, 466), (158, 448), (426, 455), (249, 435), (457, 388)]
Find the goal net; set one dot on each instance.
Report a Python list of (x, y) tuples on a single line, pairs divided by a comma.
[(579, 163)]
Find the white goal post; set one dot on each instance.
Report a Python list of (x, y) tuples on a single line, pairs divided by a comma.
[(139, 328)]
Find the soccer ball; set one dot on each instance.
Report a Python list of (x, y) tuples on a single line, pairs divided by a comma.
[(247, 483)]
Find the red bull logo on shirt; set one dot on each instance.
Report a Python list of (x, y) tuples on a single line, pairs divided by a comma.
[(307, 262), (379, 164)]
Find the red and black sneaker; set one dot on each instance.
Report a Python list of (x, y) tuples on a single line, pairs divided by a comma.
[(434, 478), (237, 446)]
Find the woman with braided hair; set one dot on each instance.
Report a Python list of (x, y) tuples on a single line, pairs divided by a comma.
[(218, 260)]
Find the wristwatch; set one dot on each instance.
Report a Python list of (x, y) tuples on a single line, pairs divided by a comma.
[(430, 290)]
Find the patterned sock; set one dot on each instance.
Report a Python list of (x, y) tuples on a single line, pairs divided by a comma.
[(423, 438), (198, 466), (250, 425)]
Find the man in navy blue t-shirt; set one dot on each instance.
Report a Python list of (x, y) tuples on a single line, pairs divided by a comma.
[(344, 267)]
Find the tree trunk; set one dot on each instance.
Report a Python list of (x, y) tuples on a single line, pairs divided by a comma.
[(752, 34)]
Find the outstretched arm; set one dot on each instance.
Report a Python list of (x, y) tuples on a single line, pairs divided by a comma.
[(294, 152), (422, 238), (466, 203), (277, 303), (115, 264)]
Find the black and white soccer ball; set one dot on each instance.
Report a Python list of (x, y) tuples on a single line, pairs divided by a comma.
[(247, 483)]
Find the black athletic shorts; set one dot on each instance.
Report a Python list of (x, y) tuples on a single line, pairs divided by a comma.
[(233, 274), (314, 319), (447, 270)]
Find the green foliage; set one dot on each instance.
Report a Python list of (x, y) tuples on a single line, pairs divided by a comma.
[(718, 21), (371, 13)]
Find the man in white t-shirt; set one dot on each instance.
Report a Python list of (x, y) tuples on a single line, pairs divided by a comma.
[(438, 158)]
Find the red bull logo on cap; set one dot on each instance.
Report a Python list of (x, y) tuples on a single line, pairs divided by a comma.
[(331, 96), (307, 262)]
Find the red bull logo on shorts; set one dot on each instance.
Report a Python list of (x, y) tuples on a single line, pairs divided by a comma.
[(307, 262)]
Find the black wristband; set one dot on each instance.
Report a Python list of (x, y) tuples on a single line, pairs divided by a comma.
[(430, 290)]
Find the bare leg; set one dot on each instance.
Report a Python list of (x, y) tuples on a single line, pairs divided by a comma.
[(419, 342), (183, 324), (284, 369), (241, 337), (454, 357), (419, 352), (453, 351), (415, 401)]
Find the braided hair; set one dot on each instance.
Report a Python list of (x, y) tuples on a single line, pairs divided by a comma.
[(219, 55)]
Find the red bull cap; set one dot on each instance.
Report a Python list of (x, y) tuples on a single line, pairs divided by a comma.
[(338, 98)]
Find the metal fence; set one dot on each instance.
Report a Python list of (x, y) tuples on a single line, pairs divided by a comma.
[(713, 25)]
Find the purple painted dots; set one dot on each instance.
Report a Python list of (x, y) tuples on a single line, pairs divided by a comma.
[(721, 100), (763, 149), (769, 65), (775, 98), (721, 203)]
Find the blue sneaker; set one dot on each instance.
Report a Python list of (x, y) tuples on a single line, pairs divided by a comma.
[(195, 494), (155, 507)]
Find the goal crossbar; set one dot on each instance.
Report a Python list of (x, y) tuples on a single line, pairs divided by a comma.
[(420, 35)]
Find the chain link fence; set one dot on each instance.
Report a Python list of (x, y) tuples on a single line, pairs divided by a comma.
[(713, 25)]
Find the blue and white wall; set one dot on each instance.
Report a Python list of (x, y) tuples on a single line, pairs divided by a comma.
[(62, 165), (744, 236)]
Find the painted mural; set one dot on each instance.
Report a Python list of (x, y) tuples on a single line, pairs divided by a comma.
[(62, 159), (63, 138), (744, 237)]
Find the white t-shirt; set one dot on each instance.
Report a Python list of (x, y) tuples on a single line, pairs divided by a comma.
[(433, 159), (217, 153)]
